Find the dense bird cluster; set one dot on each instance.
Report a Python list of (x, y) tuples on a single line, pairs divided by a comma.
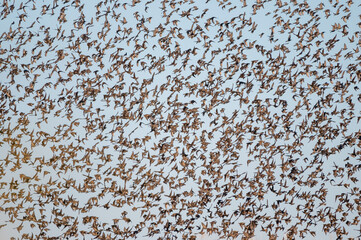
[(168, 119)]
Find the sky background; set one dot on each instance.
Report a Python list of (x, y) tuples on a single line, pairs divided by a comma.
[(145, 102)]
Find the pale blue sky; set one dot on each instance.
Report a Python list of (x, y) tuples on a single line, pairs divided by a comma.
[(219, 29)]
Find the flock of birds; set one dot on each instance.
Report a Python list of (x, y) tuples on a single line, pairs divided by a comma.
[(168, 119)]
